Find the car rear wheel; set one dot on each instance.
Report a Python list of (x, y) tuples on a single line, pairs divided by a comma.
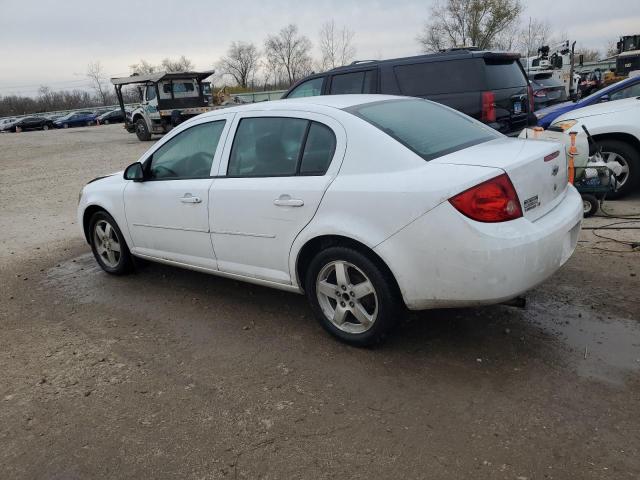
[(628, 158), (108, 245), (66, 125), (45, 127), (353, 298), (142, 131), (106, 122)]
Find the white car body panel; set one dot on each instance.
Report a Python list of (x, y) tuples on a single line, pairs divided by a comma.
[(376, 192)]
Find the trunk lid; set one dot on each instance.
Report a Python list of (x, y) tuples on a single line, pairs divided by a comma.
[(537, 169)]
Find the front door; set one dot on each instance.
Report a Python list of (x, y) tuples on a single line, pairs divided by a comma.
[(269, 189), (167, 213)]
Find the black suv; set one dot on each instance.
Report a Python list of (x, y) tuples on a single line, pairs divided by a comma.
[(489, 86)]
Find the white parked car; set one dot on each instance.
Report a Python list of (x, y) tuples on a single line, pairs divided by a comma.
[(366, 203), (7, 123), (615, 126)]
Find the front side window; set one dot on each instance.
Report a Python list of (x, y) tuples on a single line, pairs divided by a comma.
[(310, 88), (428, 129), (187, 155), (151, 92), (279, 146)]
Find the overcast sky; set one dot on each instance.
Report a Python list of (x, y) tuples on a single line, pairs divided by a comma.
[(51, 42)]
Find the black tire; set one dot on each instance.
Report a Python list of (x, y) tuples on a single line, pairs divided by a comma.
[(45, 127), (591, 205), (106, 122), (66, 125), (631, 156), (142, 131), (124, 262), (390, 307)]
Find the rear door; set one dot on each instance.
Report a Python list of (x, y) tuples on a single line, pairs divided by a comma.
[(271, 181)]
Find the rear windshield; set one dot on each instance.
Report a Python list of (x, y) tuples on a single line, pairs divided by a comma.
[(433, 78), (426, 128), (547, 81), (504, 74)]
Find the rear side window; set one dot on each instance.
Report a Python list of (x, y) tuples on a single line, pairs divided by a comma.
[(310, 88), (426, 128), (280, 146), (318, 151), (354, 82), (433, 78), (504, 74)]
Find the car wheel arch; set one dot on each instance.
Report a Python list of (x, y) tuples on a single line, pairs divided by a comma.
[(316, 244), (88, 213), (620, 136)]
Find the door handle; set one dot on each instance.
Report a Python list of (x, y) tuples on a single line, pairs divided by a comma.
[(285, 200), (188, 198)]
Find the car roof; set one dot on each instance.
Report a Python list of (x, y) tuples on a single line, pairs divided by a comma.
[(319, 102)]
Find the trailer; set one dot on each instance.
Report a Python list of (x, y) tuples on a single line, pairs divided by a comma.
[(166, 100)]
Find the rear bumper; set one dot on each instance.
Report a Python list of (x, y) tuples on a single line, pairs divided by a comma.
[(444, 259)]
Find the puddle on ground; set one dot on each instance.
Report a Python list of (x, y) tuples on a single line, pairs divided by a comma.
[(603, 347)]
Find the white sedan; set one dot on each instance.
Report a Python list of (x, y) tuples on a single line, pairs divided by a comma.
[(368, 204)]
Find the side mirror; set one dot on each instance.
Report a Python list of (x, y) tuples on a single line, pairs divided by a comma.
[(134, 172)]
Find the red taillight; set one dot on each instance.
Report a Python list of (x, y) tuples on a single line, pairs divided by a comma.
[(488, 107), (492, 201), (540, 93), (530, 95)]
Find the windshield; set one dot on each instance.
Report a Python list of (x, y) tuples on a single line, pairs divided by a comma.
[(427, 128)]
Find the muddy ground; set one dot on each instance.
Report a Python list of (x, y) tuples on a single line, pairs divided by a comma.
[(174, 374)]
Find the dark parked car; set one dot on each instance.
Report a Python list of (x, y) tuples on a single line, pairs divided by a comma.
[(547, 90), (627, 88), (489, 86), (76, 119), (114, 116), (32, 123)]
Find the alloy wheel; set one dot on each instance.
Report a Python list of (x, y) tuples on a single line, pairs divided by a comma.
[(347, 297), (107, 243), (610, 157)]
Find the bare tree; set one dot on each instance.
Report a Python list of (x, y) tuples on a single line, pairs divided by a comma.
[(290, 51), (142, 68), (182, 64), (98, 78), (336, 47), (611, 49), (468, 23), (241, 62), (535, 34), (588, 54)]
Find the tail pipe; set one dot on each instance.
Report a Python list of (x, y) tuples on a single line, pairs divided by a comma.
[(518, 302)]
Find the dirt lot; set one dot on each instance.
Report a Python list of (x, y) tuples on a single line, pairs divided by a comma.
[(174, 374)]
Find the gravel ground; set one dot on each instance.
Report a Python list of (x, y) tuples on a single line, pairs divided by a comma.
[(169, 373)]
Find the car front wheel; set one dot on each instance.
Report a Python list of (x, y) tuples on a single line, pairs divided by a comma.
[(629, 160), (108, 245), (352, 296), (142, 131)]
